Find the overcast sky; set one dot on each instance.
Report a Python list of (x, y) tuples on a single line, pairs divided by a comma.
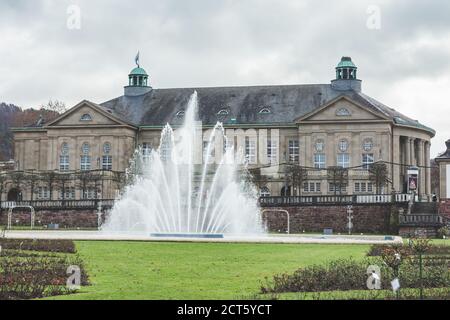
[(403, 57)]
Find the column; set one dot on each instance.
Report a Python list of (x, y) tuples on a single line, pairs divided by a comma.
[(408, 151), (428, 169), (396, 159), (421, 163), (412, 152)]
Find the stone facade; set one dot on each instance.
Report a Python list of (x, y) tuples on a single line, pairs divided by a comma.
[(443, 161), (308, 125)]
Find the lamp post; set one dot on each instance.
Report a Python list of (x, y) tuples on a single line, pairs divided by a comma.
[(349, 218)]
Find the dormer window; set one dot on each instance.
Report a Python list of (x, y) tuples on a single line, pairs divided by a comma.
[(223, 112), (86, 117), (265, 110), (181, 113), (343, 112)]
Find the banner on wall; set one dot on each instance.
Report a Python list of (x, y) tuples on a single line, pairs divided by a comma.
[(413, 179)]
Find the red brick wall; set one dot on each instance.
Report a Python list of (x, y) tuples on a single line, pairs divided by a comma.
[(444, 207), (65, 219), (366, 219)]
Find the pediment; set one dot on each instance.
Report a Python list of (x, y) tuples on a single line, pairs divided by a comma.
[(342, 109), (85, 114)]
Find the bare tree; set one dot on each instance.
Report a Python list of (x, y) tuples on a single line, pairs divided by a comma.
[(378, 175), (4, 178), (87, 180), (50, 178), (31, 181), (257, 178), (296, 175), (55, 106), (63, 180), (338, 177)]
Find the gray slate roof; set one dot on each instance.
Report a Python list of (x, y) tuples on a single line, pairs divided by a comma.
[(286, 102)]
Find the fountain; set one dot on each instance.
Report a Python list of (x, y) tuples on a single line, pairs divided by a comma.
[(171, 191)]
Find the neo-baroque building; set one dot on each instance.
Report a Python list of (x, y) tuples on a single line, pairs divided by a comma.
[(313, 125)]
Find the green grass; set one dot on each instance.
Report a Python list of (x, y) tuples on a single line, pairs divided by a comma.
[(151, 270)]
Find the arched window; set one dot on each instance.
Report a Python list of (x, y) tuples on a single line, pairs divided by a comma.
[(106, 158), (64, 157), (86, 117), (85, 163), (265, 110), (264, 192), (223, 112)]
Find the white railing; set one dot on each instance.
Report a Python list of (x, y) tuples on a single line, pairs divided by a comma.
[(376, 198)]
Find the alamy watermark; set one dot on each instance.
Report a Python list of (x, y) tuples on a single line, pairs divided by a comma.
[(73, 17), (374, 19)]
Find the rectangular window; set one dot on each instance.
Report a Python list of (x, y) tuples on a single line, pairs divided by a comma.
[(367, 160), (107, 162), (343, 160), (250, 150), (146, 149), (311, 187), (85, 163), (336, 188), (90, 193), (43, 193), (63, 163), (294, 151), (69, 193), (363, 187), (319, 160), (272, 152)]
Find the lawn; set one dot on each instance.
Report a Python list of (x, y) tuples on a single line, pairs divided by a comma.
[(150, 270)]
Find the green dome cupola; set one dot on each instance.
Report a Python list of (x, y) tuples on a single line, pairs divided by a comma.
[(346, 78), (137, 81), (346, 69)]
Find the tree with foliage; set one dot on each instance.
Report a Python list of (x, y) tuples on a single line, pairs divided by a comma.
[(379, 176)]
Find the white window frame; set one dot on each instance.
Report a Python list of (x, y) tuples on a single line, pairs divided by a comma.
[(272, 151), (367, 160), (85, 163), (343, 160), (107, 162), (64, 162), (250, 150), (320, 161), (294, 150)]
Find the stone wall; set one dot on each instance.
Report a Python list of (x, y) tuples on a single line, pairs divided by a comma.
[(379, 219), (444, 208), (65, 218)]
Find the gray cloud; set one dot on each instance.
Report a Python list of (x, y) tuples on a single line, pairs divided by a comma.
[(226, 42)]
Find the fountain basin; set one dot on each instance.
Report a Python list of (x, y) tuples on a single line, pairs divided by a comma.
[(188, 235)]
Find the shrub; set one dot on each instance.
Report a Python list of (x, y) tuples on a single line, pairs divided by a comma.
[(377, 249), (36, 277), (66, 246), (348, 274), (443, 232)]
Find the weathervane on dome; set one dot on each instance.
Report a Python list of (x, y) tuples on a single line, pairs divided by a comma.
[(137, 59)]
